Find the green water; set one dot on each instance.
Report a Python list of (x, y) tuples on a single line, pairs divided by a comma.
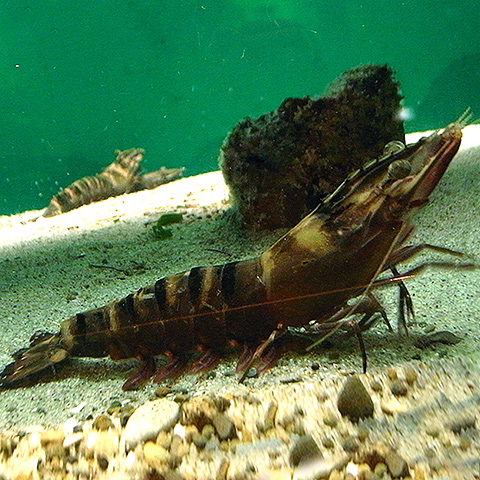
[(81, 79)]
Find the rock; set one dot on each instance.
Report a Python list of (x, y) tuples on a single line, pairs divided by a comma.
[(224, 426), (462, 423), (148, 420), (399, 388), (199, 411), (304, 449), (103, 443), (102, 422), (396, 465), (354, 401), (280, 165), (155, 454), (52, 436), (392, 406)]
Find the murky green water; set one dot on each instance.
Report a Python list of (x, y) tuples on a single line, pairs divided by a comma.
[(80, 80)]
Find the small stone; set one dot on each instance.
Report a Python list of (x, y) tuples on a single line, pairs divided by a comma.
[(208, 431), (221, 403), (330, 419), (148, 420), (411, 375), (54, 450), (362, 433), (102, 422), (376, 386), (328, 442), (199, 440), (432, 429), (349, 444), (315, 366), (304, 449), (73, 439), (103, 443), (199, 411), (164, 439), (392, 373), (354, 401), (429, 329), (224, 426), (50, 436), (462, 423), (380, 470), (399, 388), (397, 466), (155, 454), (102, 461), (392, 406), (161, 392)]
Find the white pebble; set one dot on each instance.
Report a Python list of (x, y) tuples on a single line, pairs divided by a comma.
[(148, 420), (78, 408)]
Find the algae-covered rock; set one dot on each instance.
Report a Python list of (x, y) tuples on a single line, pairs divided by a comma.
[(280, 165)]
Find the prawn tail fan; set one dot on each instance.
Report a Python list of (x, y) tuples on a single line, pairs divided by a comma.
[(42, 353)]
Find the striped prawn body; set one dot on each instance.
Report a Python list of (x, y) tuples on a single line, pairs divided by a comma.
[(307, 277)]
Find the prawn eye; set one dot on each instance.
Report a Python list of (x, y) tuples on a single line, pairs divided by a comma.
[(395, 146), (399, 169)]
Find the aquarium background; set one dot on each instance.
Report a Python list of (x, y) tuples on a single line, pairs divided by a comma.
[(81, 79)]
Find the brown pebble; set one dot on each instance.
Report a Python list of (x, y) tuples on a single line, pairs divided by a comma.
[(411, 375), (354, 401), (55, 450), (199, 440), (463, 423), (304, 449), (102, 422), (464, 442), (399, 388), (224, 426), (362, 433), (208, 431), (376, 386), (432, 429), (328, 442), (164, 439), (102, 461), (397, 466), (392, 373), (330, 419), (350, 444), (161, 392)]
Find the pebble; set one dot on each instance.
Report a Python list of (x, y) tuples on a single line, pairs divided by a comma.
[(432, 429), (462, 423), (103, 443), (399, 388), (392, 406), (411, 375), (224, 426), (155, 454), (349, 444), (330, 419), (52, 436), (304, 449), (148, 420), (354, 401), (199, 411), (397, 466), (102, 422), (392, 373), (376, 386)]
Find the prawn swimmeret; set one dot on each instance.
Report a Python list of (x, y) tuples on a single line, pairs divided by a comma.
[(306, 279)]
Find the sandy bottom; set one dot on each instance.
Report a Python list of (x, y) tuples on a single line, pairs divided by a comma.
[(52, 268)]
